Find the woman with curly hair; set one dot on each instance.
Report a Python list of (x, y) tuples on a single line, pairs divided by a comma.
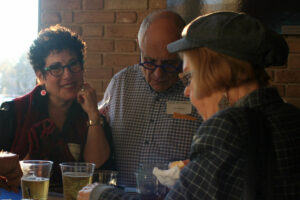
[(58, 120)]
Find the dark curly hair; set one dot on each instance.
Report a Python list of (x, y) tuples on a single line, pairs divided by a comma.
[(55, 38)]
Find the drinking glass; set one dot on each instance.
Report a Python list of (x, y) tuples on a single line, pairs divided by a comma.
[(75, 176), (148, 186), (35, 179)]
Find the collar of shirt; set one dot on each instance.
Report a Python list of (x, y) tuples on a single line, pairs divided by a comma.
[(259, 97)]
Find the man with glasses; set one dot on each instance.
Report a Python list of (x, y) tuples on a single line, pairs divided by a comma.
[(151, 120)]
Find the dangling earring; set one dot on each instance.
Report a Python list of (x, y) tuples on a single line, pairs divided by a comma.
[(43, 91), (224, 102)]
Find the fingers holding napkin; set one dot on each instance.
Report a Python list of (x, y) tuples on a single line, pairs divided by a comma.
[(167, 177), (170, 176)]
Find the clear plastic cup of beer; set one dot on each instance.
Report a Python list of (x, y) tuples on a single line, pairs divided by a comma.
[(35, 179), (75, 176)]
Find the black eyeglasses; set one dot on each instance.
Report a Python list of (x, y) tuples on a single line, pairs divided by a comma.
[(57, 69), (165, 67), (186, 78)]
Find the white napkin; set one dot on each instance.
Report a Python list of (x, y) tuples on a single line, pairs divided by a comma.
[(167, 177)]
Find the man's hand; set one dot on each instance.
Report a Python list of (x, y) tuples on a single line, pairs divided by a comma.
[(84, 193)]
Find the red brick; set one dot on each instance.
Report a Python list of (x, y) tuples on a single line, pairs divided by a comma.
[(294, 44), (51, 18), (105, 84), (285, 76), (141, 16), (98, 45), (126, 17), (67, 17), (61, 4), (280, 88), (117, 69), (160, 4), (76, 29), (294, 101), (93, 30), (96, 84), (121, 31), (293, 91), (125, 4), (294, 61), (100, 96), (93, 60), (98, 73), (119, 60), (94, 17), (125, 45), (92, 4)]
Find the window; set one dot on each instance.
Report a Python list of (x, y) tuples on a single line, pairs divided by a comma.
[(19, 27)]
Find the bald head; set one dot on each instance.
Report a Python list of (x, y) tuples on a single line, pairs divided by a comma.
[(158, 30), (169, 16)]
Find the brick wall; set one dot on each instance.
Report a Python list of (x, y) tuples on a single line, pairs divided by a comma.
[(109, 27), (287, 78)]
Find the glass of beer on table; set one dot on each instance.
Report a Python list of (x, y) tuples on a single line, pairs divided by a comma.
[(75, 176), (35, 179)]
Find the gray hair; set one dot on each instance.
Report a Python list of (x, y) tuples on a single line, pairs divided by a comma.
[(167, 14)]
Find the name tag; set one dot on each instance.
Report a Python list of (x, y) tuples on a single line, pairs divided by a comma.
[(75, 150), (182, 107)]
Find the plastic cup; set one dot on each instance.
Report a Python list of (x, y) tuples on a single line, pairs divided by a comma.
[(148, 186), (75, 176), (35, 179)]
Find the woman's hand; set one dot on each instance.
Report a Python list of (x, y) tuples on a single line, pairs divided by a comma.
[(88, 100), (84, 193), (96, 149)]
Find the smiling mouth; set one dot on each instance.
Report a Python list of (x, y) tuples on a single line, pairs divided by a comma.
[(71, 85)]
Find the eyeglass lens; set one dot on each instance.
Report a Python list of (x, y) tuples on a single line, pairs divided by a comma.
[(166, 67), (57, 69), (185, 77)]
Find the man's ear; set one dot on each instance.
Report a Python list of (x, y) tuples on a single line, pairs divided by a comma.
[(40, 77)]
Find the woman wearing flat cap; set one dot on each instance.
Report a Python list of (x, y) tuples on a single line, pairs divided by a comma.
[(249, 144)]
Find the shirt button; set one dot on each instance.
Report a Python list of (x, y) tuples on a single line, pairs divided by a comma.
[(146, 142)]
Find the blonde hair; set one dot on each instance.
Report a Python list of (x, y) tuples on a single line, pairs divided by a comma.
[(213, 71)]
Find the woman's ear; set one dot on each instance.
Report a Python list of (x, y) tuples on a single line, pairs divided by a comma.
[(40, 77)]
